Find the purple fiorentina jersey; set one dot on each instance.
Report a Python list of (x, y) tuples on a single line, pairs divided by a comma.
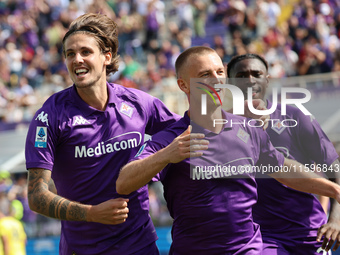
[(283, 212), (85, 149), (210, 203)]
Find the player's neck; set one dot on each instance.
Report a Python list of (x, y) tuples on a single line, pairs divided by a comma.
[(97, 97)]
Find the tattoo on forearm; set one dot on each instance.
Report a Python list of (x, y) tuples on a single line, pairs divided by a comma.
[(58, 208), (63, 210), (77, 213), (53, 205), (37, 183), (40, 202)]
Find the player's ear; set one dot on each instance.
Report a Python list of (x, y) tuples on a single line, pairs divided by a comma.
[(108, 57), (183, 85), (267, 79)]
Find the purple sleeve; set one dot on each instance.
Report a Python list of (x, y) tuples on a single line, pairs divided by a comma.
[(147, 150), (269, 156), (40, 140), (160, 117), (314, 141)]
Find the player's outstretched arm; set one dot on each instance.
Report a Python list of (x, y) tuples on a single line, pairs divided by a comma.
[(138, 173), (331, 230), (299, 177), (45, 202)]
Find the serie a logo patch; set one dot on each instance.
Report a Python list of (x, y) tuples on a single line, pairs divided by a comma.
[(41, 137)]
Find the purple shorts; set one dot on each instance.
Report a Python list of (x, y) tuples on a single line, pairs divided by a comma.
[(307, 245), (64, 249)]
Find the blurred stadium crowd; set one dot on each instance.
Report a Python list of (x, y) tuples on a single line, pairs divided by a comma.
[(296, 38)]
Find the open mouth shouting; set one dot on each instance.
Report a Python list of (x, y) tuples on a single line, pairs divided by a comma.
[(80, 72)]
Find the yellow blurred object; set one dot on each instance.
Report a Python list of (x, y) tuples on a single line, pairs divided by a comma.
[(286, 11), (17, 209)]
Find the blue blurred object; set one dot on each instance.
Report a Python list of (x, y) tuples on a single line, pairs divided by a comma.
[(50, 245)]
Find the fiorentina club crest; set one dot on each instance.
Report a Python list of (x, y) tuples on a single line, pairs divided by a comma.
[(126, 109), (277, 126), (243, 135)]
